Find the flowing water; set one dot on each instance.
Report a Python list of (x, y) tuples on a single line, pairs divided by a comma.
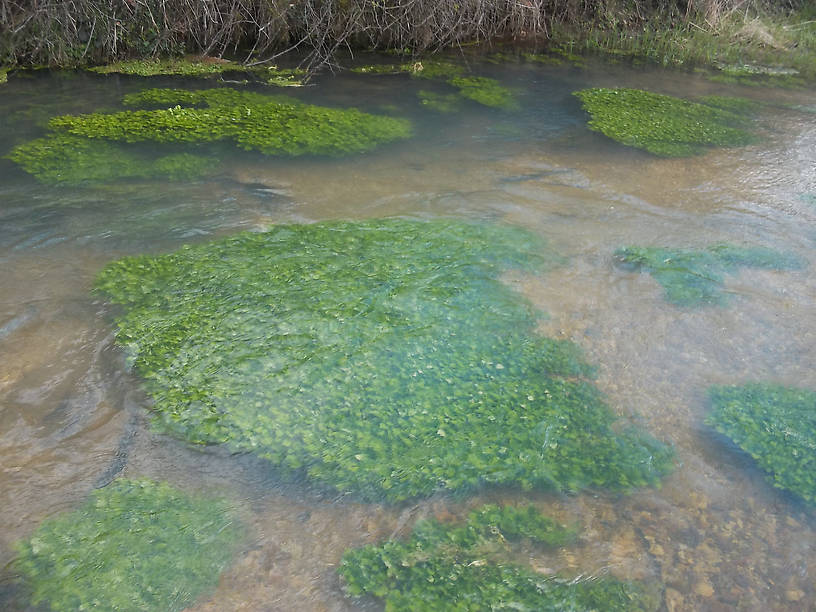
[(716, 535)]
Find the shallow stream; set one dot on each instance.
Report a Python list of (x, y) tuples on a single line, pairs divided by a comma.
[(715, 536)]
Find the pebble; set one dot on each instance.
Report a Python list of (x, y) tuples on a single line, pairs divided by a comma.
[(704, 588)]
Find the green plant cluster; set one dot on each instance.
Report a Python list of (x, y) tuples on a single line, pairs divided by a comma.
[(67, 159), (776, 425), (464, 567), (383, 358), (694, 277), (134, 545), (283, 77), (4, 74), (482, 90), (251, 120), (663, 125), (733, 104), (179, 66)]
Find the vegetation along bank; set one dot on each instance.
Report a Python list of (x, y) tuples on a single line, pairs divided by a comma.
[(73, 33)]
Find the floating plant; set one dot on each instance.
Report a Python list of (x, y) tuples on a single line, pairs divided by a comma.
[(466, 567), (186, 66), (384, 358), (134, 545), (253, 121), (776, 425), (691, 278), (61, 158), (663, 125)]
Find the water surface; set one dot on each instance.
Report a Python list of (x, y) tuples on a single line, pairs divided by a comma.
[(716, 535)]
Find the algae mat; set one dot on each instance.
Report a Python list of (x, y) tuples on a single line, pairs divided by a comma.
[(383, 358)]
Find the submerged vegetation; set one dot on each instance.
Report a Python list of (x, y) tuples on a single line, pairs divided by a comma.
[(252, 121), (172, 66), (71, 160), (134, 545), (466, 567), (383, 358), (691, 278), (776, 425), (663, 125), (85, 147), (482, 90)]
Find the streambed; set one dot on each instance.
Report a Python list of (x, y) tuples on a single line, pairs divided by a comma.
[(715, 536)]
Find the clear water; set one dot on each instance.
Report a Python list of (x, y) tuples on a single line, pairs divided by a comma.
[(717, 535)]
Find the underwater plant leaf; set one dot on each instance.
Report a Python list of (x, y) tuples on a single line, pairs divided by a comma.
[(660, 124), (382, 357), (774, 424), (465, 567), (66, 159), (485, 91), (134, 545), (692, 278), (253, 121)]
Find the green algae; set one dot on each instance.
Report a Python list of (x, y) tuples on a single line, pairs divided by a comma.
[(134, 545), (733, 104), (4, 74), (251, 120), (172, 66), (776, 425), (692, 278), (72, 160), (465, 567), (482, 90), (382, 358), (660, 124), (487, 92), (283, 77)]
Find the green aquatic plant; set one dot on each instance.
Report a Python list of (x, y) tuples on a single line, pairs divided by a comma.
[(4, 74), (134, 545), (776, 425), (384, 358), (195, 66), (251, 120), (482, 90), (442, 103), (691, 278), (66, 159), (663, 125), (465, 567), (733, 104), (487, 92), (283, 77)]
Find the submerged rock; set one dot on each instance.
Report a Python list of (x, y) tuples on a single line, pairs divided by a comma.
[(384, 358)]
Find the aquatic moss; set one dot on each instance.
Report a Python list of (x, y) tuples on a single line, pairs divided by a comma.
[(134, 545), (383, 358), (252, 121), (487, 92), (691, 278), (67, 159), (465, 567), (173, 66), (442, 103), (733, 104), (776, 425), (4, 75), (663, 125)]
